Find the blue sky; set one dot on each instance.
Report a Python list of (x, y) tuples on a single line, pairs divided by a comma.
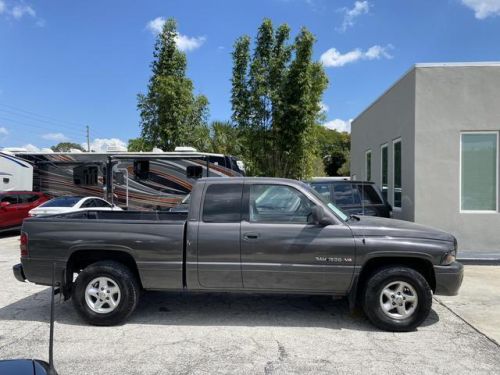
[(66, 64)]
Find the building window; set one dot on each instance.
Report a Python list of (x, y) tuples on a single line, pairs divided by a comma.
[(478, 171), (397, 186), (368, 165), (384, 169)]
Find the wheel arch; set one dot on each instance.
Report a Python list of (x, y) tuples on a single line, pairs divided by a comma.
[(80, 259), (421, 265)]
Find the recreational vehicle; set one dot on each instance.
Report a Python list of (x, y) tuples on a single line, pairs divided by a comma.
[(131, 180)]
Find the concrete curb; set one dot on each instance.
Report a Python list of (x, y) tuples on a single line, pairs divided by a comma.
[(480, 261)]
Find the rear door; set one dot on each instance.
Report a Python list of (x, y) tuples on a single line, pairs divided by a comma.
[(282, 250), (8, 214), (219, 237)]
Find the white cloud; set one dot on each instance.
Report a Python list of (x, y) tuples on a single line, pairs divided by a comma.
[(339, 125), (3, 131), (57, 137), (324, 107), (184, 42), (19, 11), (332, 58), (2, 6), (359, 8), (483, 8), (31, 148), (102, 144)]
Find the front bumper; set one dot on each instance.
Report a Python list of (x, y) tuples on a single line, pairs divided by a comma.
[(19, 272), (449, 278)]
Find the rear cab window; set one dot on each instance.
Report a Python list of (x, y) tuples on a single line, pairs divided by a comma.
[(222, 203)]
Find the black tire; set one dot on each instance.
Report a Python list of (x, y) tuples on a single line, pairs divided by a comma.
[(124, 279), (372, 294)]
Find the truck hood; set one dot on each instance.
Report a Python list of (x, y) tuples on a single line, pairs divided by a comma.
[(379, 226)]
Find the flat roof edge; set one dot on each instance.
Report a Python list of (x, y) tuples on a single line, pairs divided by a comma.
[(427, 65)]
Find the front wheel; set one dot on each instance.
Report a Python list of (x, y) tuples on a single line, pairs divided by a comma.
[(105, 293), (397, 299)]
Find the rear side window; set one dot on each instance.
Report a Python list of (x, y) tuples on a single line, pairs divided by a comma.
[(28, 198), (345, 195), (222, 203), (322, 189), (369, 195), (101, 203)]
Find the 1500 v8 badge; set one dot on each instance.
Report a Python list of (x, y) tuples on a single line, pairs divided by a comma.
[(334, 259)]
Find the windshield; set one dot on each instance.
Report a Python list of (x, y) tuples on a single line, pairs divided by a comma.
[(337, 211), (62, 202)]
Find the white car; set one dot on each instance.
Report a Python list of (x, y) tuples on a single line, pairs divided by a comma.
[(65, 204)]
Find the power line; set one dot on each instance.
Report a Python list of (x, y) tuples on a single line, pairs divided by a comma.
[(74, 133), (77, 124)]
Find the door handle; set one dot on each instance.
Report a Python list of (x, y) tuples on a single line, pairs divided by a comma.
[(250, 236)]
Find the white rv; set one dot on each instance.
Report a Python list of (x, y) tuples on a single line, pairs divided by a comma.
[(15, 174)]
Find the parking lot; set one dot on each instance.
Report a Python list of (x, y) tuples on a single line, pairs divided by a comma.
[(219, 333)]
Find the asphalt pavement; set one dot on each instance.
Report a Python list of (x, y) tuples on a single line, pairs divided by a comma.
[(181, 333)]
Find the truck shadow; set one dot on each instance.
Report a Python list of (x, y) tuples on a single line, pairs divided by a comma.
[(215, 309)]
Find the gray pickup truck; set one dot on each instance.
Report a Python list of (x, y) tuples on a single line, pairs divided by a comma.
[(260, 235)]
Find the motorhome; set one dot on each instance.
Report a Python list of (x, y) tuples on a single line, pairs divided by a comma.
[(132, 180)]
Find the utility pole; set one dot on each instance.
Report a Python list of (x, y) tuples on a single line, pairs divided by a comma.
[(88, 139)]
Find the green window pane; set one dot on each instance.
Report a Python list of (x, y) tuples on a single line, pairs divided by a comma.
[(479, 172), (397, 174), (369, 166), (385, 170)]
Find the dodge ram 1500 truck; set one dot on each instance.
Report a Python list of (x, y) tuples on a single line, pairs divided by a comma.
[(260, 235)]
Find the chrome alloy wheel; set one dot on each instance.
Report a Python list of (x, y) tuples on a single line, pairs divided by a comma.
[(102, 295), (398, 300)]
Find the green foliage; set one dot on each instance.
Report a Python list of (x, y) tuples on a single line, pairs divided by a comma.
[(276, 96), (137, 145), (225, 139), (66, 147), (334, 149), (171, 115)]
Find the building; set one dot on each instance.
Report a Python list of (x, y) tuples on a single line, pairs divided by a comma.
[(431, 143)]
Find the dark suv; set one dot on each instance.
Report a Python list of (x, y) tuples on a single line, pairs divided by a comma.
[(354, 197)]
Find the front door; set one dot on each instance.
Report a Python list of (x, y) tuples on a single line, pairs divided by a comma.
[(282, 250), (219, 264), (9, 211)]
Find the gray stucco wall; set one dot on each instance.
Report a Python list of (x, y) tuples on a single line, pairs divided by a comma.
[(392, 116), (449, 100)]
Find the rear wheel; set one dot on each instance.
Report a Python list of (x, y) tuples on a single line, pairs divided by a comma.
[(397, 299), (105, 293)]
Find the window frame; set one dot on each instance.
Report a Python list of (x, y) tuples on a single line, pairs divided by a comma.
[(496, 133), (382, 147), (368, 152), (394, 207)]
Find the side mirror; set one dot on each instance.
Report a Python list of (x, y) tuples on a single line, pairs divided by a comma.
[(4, 204), (319, 217)]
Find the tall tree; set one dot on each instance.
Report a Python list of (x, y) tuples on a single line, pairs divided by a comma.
[(275, 98), (225, 138), (171, 115), (66, 147)]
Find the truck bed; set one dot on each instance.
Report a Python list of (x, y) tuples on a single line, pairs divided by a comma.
[(155, 240)]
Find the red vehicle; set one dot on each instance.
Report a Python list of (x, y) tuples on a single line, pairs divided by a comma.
[(15, 205)]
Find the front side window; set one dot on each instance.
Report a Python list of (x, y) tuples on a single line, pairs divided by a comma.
[(222, 203), (9, 198), (384, 157), (28, 198), (479, 158), (279, 204), (397, 193), (368, 165)]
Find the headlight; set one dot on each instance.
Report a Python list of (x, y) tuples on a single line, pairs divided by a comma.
[(449, 257)]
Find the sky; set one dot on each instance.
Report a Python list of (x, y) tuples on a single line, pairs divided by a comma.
[(65, 65)]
